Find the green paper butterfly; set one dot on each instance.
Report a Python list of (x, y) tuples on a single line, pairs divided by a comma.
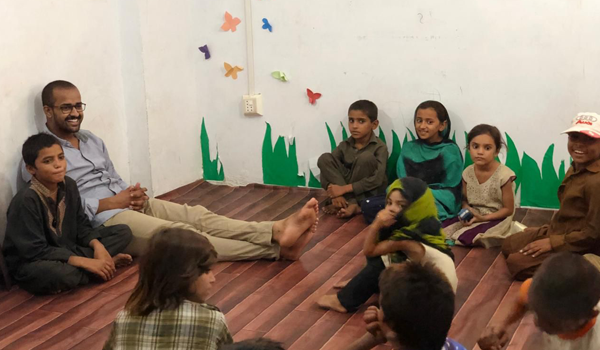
[(279, 75)]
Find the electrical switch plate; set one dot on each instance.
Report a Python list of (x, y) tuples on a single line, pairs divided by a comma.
[(252, 105)]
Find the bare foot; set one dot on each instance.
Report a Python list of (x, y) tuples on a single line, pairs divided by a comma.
[(331, 302), (331, 209), (294, 252), (341, 284), (122, 260), (349, 211), (287, 231)]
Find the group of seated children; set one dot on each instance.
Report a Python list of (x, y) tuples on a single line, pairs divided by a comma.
[(51, 245), (354, 174)]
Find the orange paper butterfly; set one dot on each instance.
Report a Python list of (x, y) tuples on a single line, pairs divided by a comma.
[(230, 22), (312, 96), (232, 71)]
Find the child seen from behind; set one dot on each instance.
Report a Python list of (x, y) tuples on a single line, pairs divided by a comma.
[(167, 309)]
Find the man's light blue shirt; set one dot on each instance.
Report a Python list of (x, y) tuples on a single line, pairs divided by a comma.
[(90, 166)]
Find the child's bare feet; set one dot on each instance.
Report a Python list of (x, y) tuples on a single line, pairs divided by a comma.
[(122, 260), (331, 302), (341, 284), (294, 252), (331, 209), (349, 211), (287, 231)]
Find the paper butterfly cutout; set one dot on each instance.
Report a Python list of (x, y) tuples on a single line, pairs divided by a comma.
[(232, 71), (267, 25), (204, 50), (279, 75), (312, 96), (230, 22)]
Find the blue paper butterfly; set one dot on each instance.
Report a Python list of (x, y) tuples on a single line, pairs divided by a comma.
[(267, 25)]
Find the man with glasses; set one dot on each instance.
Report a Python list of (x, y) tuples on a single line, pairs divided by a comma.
[(108, 200)]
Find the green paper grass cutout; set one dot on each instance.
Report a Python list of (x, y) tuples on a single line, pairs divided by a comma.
[(513, 161), (313, 181), (210, 167), (279, 167)]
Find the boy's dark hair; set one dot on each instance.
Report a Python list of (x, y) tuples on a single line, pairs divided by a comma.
[(254, 344), (442, 114), (176, 257), (48, 91), (418, 304), (34, 144), (566, 287), (367, 107), (485, 129)]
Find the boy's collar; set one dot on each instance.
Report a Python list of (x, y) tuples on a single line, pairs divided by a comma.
[(372, 139), (43, 189), (593, 167)]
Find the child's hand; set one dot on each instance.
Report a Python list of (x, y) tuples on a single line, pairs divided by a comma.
[(339, 202), (385, 218), (470, 222), (99, 267), (101, 253), (335, 191), (371, 318), (493, 338), (537, 247)]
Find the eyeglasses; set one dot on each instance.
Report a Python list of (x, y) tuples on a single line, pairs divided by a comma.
[(67, 108)]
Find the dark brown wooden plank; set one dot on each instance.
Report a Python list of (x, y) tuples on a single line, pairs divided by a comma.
[(526, 329), (459, 254), (470, 271), (105, 314), (481, 305), (236, 194), (25, 325), (62, 323), (244, 334), (179, 191), (320, 333), (254, 195), (13, 299), (95, 341), (212, 196), (66, 339), (24, 309), (293, 326)]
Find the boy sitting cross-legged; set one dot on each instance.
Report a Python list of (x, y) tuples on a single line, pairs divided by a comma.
[(416, 309), (50, 245), (355, 169)]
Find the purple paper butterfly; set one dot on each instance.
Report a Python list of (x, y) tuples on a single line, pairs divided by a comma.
[(204, 50)]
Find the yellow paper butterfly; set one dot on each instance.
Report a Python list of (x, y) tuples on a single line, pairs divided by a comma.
[(232, 71)]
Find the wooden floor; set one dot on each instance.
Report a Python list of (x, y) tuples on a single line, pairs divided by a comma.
[(266, 298)]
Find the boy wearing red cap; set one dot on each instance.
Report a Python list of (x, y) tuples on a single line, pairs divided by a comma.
[(576, 225)]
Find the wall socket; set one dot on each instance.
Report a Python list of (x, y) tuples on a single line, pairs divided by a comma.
[(252, 105)]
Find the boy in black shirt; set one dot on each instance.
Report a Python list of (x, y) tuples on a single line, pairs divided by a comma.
[(50, 245)]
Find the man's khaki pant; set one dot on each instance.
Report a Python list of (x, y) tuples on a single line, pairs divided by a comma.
[(232, 239)]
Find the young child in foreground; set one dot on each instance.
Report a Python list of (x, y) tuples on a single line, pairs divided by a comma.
[(254, 344), (50, 245), (407, 229), (576, 225), (167, 308), (434, 158), (563, 295), (488, 192), (416, 309), (356, 168)]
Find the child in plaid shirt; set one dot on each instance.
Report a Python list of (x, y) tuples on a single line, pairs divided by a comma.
[(167, 308)]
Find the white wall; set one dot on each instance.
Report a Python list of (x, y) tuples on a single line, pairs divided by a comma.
[(526, 67)]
